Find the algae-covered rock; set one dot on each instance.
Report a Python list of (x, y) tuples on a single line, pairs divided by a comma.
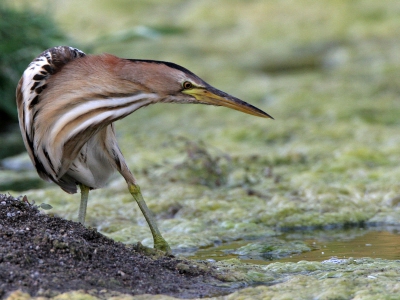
[(20, 162), (331, 279), (11, 142), (270, 249), (21, 181)]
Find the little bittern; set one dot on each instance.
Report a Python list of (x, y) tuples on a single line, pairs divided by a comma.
[(67, 103)]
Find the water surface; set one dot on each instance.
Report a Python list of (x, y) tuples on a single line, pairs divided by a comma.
[(356, 243)]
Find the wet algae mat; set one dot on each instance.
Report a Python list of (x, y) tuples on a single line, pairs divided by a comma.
[(44, 255), (47, 257)]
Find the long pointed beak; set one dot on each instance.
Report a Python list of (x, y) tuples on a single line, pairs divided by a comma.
[(213, 96)]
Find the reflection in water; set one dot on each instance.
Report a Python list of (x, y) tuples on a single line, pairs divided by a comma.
[(355, 243)]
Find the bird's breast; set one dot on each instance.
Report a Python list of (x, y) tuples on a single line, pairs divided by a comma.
[(92, 167)]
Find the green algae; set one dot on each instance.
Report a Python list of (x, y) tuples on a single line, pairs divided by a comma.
[(332, 279), (271, 249), (19, 181)]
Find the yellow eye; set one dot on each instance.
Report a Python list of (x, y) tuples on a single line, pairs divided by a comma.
[(187, 85)]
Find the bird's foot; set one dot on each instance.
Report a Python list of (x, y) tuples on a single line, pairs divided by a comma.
[(148, 251), (161, 244)]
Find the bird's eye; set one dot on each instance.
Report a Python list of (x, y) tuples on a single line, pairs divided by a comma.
[(187, 85)]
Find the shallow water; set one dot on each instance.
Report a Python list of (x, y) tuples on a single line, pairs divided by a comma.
[(356, 243)]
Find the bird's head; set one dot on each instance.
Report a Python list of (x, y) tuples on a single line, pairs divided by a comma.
[(173, 83)]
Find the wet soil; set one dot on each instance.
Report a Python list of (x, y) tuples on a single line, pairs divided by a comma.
[(45, 255)]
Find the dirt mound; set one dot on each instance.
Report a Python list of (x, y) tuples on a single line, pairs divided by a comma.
[(45, 255)]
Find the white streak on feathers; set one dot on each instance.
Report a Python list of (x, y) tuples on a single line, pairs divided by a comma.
[(122, 107)]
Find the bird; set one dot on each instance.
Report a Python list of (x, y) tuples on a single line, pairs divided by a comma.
[(67, 104)]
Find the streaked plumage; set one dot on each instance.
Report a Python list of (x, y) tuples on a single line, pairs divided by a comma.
[(67, 103)]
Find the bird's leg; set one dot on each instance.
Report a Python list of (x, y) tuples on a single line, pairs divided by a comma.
[(83, 205), (159, 242)]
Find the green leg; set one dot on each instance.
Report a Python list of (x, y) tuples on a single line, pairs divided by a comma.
[(159, 242), (84, 201)]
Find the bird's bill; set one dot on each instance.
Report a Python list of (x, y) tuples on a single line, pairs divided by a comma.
[(213, 96)]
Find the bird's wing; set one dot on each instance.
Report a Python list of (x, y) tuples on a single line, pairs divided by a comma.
[(28, 93)]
